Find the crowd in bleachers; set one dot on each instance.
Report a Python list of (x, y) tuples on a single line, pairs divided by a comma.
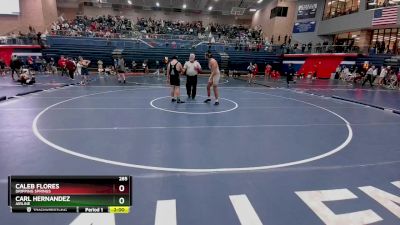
[(100, 26), (153, 26), (235, 36), (119, 26), (20, 38)]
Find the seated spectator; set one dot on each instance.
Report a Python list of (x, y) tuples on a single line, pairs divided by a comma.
[(108, 70), (134, 65), (25, 78), (393, 80)]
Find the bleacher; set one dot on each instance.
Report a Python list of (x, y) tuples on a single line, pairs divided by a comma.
[(96, 49)]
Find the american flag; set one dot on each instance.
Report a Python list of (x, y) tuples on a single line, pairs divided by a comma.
[(385, 16)]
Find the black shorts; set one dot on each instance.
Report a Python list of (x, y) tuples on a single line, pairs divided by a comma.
[(174, 81), (85, 71)]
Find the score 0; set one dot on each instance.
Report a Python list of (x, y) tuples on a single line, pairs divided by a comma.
[(123, 187), (123, 184)]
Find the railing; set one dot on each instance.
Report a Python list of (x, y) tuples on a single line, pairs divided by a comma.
[(72, 33), (337, 13), (324, 49), (373, 5), (205, 45), (334, 49), (19, 41)]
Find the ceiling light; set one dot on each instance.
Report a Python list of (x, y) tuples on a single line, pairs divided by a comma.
[(252, 10), (184, 6), (129, 2), (259, 1), (210, 8), (157, 4)]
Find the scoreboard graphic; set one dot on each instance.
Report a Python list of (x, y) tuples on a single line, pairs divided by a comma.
[(70, 194)]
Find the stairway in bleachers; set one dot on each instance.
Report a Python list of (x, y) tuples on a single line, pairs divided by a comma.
[(224, 64)]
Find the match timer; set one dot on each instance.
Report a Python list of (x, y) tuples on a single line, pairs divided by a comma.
[(81, 194)]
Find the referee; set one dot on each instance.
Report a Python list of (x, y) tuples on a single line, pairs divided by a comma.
[(192, 69)]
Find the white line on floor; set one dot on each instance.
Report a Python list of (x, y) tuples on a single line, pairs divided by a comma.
[(244, 210), (147, 108), (19, 109), (286, 169), (166, 212), (116, 97), (124, 108), (94, 219), (187, 127), (210, 127), (340, 147), (194, 127)]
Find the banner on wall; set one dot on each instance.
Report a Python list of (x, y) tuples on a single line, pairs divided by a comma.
[(306, 11), (303, 27)]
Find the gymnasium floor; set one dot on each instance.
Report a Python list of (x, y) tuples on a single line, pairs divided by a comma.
[(10, 88), (261, 157)]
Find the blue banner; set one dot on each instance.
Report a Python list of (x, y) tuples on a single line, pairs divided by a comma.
[(303, 27)]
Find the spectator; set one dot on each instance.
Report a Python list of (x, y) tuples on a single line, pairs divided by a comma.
[(121, 70), (134, 65), (52, 67), (2, 67), (267, 71), (290, 75), (337, 72), (84, 71), (309, 46), (382, 76), (369, 77), (25, 78), (70, 67), (250, 72), (375, 73), (62, 64), (100, 67), (145, 66), (15, 66)]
